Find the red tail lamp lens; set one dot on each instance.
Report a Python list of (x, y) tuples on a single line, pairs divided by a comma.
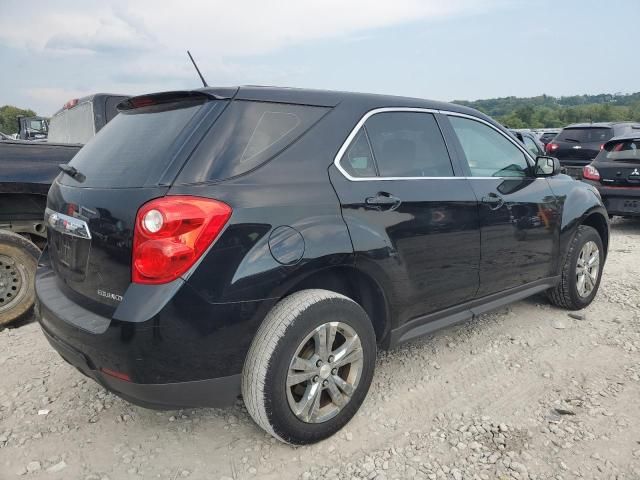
[(590, 173), (172, 233)]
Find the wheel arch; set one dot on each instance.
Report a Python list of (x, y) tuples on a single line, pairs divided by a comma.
[(358, 286), (600, 223)]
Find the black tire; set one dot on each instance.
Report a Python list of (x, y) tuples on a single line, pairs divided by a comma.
[(565, 294), (18, 262), (265, 371)]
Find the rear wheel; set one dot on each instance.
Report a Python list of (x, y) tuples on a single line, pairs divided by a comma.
[(18, 261), (309, 367), (581, 272)]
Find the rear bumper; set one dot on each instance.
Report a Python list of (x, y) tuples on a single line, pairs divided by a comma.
[(623, 201), (189, 354), (216, 392)]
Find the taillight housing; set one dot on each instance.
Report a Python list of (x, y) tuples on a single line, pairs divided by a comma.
[(590, 173), (552, 147), (172, 233)]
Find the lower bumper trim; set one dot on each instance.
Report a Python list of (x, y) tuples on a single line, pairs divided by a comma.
[(210, 393)]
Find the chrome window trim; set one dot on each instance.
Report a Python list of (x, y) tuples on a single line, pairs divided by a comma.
[(370, 113)]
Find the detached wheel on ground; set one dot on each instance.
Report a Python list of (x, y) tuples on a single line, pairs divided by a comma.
[(581, 271), (18, 262), (309, 367)]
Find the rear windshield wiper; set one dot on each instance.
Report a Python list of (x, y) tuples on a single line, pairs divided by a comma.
[(571, 140), (72, 172)]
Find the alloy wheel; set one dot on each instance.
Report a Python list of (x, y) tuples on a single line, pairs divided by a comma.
[(587, 268), (324, 372)]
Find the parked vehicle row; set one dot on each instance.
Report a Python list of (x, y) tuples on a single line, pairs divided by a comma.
[(266, 241), (615, 172), (27, 169), (577, 145)]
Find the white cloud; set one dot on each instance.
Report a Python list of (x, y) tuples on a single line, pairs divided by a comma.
[(137, 46), (218, 28)]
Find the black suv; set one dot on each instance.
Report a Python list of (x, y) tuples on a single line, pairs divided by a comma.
[(616, 174), (578, 144), (265, 241)]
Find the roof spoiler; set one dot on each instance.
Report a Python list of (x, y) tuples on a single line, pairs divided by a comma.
[(161, 98)]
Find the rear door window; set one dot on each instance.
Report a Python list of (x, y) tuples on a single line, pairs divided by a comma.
[(585, 135), (135, 148), (408, 144), (400, 145), (246, 135)]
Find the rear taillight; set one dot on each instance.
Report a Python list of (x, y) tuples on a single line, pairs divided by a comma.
[(552, 147), (590, 173), (172, 233), (602, 146)]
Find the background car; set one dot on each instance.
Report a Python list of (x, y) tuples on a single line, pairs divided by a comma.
[(530, 141), (547, 135), (616, 174), (578, 144)]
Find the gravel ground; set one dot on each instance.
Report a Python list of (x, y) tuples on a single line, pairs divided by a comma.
[(526, 392)]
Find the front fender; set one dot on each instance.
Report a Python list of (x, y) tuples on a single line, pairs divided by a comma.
[(579, 203)]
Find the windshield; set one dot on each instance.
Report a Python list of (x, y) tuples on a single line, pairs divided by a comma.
[(135, 148), (624, 151), (585, 135)]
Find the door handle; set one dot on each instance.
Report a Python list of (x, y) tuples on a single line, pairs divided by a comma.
[(383, 199), (494, 201)]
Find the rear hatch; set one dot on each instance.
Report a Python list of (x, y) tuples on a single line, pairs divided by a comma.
[(619, 163), (578, 146), (135, 158)]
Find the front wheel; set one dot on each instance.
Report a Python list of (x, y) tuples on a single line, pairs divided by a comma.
[(309, 367), (18, 262), (581, 271)]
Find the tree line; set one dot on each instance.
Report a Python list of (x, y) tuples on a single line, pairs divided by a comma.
[(532, 112), (9, 118), (547, 111)]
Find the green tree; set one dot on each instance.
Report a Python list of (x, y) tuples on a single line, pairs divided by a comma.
[(9, 118)]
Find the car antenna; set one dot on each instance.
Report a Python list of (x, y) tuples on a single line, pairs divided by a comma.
[(204, 82)]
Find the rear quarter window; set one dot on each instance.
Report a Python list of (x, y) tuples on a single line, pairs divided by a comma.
[(245, 136)]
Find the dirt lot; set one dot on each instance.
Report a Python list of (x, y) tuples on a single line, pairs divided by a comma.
[(526, 392)]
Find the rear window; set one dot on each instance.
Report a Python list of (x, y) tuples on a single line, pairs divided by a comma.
[(246, 135), (135, 148), (585, 135), (74, 125), (624, 151)]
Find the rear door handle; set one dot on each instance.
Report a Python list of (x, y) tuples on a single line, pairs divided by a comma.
[(494, 201), (383, 199)]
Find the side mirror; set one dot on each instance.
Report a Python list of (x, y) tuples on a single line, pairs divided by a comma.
[(547, 166)]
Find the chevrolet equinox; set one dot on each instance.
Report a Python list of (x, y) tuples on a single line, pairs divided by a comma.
[(264, 242)]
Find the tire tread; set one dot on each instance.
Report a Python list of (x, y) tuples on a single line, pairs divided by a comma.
[(272, 329)]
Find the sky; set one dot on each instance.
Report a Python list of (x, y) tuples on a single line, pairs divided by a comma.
[(51, 52)]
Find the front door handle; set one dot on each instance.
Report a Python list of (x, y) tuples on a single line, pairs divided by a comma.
[(383, 200), (494, 201)]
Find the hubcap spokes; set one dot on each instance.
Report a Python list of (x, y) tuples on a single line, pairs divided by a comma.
[(587, 268), (324, 372)]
